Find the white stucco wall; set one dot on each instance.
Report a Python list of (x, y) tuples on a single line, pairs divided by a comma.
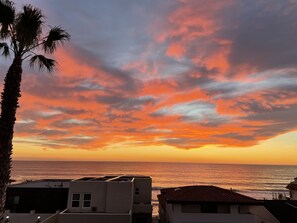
[(144, 186), (119, 197), (94, 218), (97, 191), (293, 194), (262, 215), (177, 216), (25, 217)]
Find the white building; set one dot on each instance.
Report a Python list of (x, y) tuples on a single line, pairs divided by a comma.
[(109, 199), (194, 204), (293, 189)]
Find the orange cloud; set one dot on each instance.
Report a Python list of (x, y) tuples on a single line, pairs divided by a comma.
[(175, 50), (177, 87)]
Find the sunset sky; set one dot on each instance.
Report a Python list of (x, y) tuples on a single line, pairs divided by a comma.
[(164, 80)]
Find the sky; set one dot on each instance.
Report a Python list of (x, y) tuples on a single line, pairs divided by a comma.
[(165, 80)]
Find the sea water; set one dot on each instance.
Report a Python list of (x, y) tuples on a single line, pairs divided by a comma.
[(257, 181)]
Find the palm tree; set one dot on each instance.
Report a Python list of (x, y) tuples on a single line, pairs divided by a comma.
[(22, 35)]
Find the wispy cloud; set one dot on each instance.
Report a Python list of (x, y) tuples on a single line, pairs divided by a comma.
[(183, 73)]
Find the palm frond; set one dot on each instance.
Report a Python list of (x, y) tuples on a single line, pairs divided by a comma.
[(55, 36), (43, 63), (29, 26), (5, 48), (7, 16)]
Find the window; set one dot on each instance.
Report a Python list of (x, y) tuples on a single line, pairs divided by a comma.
[(224, 209), (243, 209), (141, 219), (136, 190), (16, 200), (87, 200), (75, 200), (190, 208), (209, 208)]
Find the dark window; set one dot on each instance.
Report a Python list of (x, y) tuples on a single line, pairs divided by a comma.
[(224, 209), (76, 197), (141, 219), (87, 200), (75, 200), (16, 200), (87, 204), (136, 190), (209, 208), (87, 197), (75, 204), (190, 208)]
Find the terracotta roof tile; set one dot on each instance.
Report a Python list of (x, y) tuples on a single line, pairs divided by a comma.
[(292, 186), (203, 194)]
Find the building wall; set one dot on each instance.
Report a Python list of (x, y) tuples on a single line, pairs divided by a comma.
[(142, 207), (293, 195), (109, 197), (52, 219), (142, 190), (262, 215), (97, 190), (119, 197), (94, 218), (25, 217), (175, 215), (25, 199)]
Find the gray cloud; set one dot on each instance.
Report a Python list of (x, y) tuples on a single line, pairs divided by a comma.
[(69, 110), (33, 130), (125, 103), (236, 136), (72, 122), (125, 118), (276, 121), (263, 33), (186, 143), (76, 140)]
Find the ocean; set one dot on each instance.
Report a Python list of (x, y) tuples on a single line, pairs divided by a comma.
[(257, 181)]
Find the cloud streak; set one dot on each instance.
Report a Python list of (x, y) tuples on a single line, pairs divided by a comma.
[(182, 73)]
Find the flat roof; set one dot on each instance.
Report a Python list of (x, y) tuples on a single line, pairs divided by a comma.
[(44, 183), (109, 178), (64, 183)]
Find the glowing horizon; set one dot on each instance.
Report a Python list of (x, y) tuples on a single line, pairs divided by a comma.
[(181, 81)]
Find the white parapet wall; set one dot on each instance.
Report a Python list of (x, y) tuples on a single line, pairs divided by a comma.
[(25, 217), (66, 217)]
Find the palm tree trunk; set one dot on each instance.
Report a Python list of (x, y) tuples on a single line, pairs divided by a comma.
[(9, 105)]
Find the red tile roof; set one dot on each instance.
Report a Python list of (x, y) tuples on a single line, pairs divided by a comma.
[(292, 186), (199, 194)]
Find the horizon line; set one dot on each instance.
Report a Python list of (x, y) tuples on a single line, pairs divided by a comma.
[(176, 162)]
